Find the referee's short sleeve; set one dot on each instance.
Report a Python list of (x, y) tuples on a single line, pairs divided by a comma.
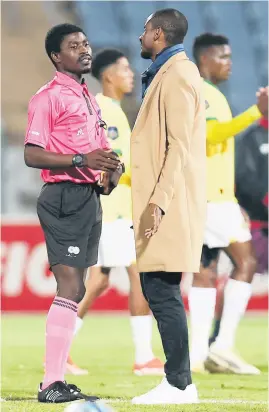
[(40, 120)]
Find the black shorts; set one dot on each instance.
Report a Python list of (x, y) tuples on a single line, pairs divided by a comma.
[(71, 217)]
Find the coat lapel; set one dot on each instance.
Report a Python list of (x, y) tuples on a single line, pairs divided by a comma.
[(154, 83)]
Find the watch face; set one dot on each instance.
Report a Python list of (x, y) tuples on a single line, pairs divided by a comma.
[(77, 160)]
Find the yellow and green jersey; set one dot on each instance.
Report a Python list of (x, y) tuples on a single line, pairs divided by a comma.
[(221, 127), (118, 203)]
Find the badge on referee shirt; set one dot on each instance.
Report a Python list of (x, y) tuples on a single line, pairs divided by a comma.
[(112, 133)]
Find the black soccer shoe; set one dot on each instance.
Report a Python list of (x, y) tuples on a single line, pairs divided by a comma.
[(76, 391), (60, 392)]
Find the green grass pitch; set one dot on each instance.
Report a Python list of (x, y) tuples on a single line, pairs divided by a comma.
[(104, 346)]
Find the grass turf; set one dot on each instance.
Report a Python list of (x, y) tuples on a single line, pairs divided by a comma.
[(104, 347)]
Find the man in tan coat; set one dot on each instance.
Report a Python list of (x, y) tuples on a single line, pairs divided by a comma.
[(168, 166)]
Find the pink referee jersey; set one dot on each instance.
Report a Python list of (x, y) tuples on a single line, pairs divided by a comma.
[(64, 118)]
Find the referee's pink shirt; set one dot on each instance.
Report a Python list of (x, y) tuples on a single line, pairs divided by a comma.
[(61, 121)]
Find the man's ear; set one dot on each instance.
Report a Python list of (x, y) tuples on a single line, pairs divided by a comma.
[(203, 59), (107, 74), (157, 33), (56, 57)]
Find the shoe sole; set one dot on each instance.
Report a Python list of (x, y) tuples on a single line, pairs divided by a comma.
[(167, 403)]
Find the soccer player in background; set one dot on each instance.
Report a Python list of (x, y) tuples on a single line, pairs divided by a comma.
[(226, 228), (251, 178), (65, 139), (117, 248)]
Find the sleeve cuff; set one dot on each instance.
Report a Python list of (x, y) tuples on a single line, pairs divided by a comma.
[(160, 199), (254, 112), (35, 142)]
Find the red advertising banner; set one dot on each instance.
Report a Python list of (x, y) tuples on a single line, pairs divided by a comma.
[(28, 285)]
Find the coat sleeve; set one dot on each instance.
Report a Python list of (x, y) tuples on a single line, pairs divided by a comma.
[(180, 106)]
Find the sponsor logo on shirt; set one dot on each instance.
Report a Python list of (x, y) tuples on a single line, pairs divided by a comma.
[(35, 133), (80, 132)]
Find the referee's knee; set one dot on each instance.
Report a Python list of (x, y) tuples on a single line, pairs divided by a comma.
[(79, 293), (70, 282)]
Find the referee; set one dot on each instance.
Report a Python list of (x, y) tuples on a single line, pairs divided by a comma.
[(66, 139)]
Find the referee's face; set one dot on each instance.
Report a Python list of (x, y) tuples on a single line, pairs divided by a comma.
[(75, 55)]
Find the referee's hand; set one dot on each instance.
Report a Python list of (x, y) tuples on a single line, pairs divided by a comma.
[(104, 160), (110, 180)]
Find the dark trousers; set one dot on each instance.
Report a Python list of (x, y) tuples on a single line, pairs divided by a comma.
[(161, 290)]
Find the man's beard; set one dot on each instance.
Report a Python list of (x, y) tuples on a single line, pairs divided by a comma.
[(145, 54)]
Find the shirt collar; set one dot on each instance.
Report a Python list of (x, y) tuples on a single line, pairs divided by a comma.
[(66, 80)]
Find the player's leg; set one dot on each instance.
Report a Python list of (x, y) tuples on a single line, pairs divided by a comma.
[(141, 323), (202, 300), (96, 283), (237, 293), (260, 244), (218, 313)]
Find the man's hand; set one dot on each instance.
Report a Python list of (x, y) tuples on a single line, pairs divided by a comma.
[(156, 215), (262, 100), (110, 180), (104, 160)]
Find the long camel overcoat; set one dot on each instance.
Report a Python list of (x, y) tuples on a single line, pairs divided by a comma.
[(168, 168)]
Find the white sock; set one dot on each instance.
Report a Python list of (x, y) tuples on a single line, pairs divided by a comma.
[(236, 297), (202, 302), (79, 323), (142, 335)]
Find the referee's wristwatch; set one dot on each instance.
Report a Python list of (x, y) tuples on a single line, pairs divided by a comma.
[(78, 160)]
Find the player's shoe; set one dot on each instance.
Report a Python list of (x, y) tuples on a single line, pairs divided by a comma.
[(155, 367), (166, 394), (199, 368), (73, 369), (219, 361), (60, 392)]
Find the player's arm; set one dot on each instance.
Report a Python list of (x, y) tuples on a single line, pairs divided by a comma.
[(180, 98), (218, 132)]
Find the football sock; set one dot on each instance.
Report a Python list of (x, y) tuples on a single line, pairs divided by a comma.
[(142, 336), (60, 328), (202, 303), (236, 297)]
